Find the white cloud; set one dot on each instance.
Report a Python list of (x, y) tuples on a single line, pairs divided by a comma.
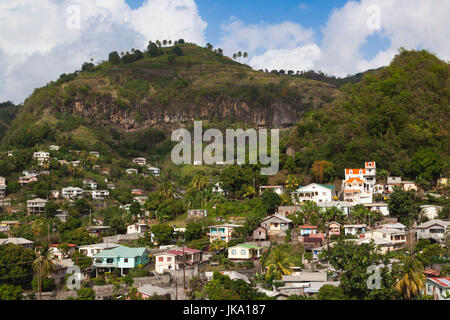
[(39, 39), (411, 24)]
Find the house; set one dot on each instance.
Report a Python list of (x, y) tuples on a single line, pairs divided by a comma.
[(259, 234), (138, 192), (62, 215), (53, 147), (89, 183), (299, 283), (276, 225), (95, 154), (433, 230), (27, 179), (72, 193), (122, 258), (140, 161), (97, 230), (287, 210), (312, 241), (175, 259), (36, 206), (5, 203), (27, 244), (223, 232), (344, 206), (131, 171), (92, 249), (56, 252), (154, 171), (306, 230), (367, 175), (233, 275), (30, 172), (147, 291), (334, 229), (41, 156), (137, 228), (438, 287), (2, 187), (100, 194), (313, 192), (397, 226), (378, 207), (10, 153), (279, 190), (396, 237), (140, 199), (54, 194), (397, 182), (75, 163), (197, 214), (104, 171), (354, 229), (431, 211), (244, 251), (383, 244), (379, 189), (5, 226), (356, 190), (110, 186)]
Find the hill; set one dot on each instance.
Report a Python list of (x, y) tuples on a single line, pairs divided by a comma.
[(396, 116), (140, 95)]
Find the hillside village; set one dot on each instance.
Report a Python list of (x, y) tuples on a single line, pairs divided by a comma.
[(63, 208)]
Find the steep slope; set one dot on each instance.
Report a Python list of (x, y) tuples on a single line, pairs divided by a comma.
[(8, 112), (397, 116)]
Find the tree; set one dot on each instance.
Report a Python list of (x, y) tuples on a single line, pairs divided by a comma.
[(87, 66), (177, 51), (50, 209), (10, 292), (17, 265), (86, 294), (278, 264), (171, 59), (330, 292), (217, 245), (245, 55), (412, 283), (81, 260), (135, 209), (271, 201), (43, 266), (114, 58), (181, 41), (323, 171), (194, 231), (402, 204), (163, 233)]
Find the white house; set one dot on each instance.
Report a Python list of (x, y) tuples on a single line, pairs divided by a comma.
[(155, 171), (354, 229), (100, 194), (313, 192), (397, 182), (378, 207), (397, 226), (356, 190), (95, 153), (433, 230), (41, 156), (140, 199), (438, 287), (2, 187), (174, 259), (36, 206), (131, 171), (344, 206), (431, 211), (140, 161), (54, 147), (244, 251), (279, 190), (72, 193), (223, 232), (89, 183), (137, 228), (92, 249), (396, 237)]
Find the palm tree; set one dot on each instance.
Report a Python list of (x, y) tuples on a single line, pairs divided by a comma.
[(164, 42), (245, 55), (309, 208), (291, 183), (43, 265), (412, 283), (278, 264), (234, 56), (250, 192), (239, 54), (217, 245)]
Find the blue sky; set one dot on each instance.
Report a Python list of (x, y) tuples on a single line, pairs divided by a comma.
[(40, 40)]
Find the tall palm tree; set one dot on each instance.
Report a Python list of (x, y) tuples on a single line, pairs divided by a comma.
[(250, 192), (278, 264), (412, 283), (234, 56), (245, 55), (309, 208), (43, 266), (217, 245), (291, 183)]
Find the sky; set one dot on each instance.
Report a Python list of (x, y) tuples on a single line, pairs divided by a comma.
[(40, 40)]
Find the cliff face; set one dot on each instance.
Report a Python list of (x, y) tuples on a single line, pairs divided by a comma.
[(107, 109)]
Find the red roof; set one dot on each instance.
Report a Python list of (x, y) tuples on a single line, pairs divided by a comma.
[(69, 244), (432, 272), (355, 171), (443, 281), (353, 179), (307, 227)]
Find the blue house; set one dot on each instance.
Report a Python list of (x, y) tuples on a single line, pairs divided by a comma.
[(121, 257)]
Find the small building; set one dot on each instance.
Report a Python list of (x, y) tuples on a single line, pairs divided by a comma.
[(279, 190), (393, 182), (244, 251), (431, 211), (396, 237), (140, 161), (137, 228), (41, 156), (197, 214), (54, 194), (27, 244), (140, 199), (36, 206), (56, 252), (72, 193), (383, 244), (334, 229), (276, 225), (223, 232), (100, 194), (438, 287), (95, 154), (354, 229), (433, 230), (285, 211), (147, 291), (138, 192), (62, 215), (260, 234), (344, 206), (131, 171), (110, 186), (314, 192), (92, 249), (122, 258), (306, 230), (175, 259), (53, 147), (378, 207), (27, 179), (89, 183), (154, 171), (97, 230), (396, 226)]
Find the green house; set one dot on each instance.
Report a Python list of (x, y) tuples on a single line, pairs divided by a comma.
[(121, 257)]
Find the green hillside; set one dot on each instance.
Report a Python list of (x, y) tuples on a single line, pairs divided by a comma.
[(397, 116)]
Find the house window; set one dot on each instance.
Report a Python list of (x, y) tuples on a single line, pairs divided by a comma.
[(109, 260), (125, 260), (243, 252), (161, 259), (169, 259), (233, 252)]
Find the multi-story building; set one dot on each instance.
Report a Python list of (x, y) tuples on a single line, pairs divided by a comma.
[(396, 237), (89, 183), (72, 193), (100, 194), (140, 161), (176, 259), (41, 156), (223, 232), (434, 230), (36, 206), (27, 179), (313, 192), (2, 187), (358, 185)]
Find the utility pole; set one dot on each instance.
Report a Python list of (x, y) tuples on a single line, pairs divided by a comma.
[(176, 289), (184, 269)]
